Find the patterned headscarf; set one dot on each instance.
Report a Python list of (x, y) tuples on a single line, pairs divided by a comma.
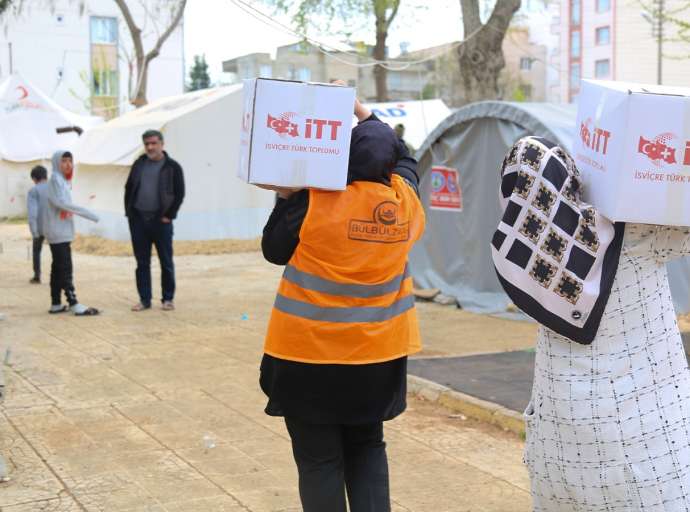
[(556, 257)]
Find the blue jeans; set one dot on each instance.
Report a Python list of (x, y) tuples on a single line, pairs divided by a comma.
[(147, 232)]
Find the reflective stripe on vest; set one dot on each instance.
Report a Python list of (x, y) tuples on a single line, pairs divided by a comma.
[(343, 315), (346, 295), (363, 291)]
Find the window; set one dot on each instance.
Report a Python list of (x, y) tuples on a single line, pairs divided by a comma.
[(575, 44), (265, 71), (304, 74), (104, 82), (574, 76), (603, 35), (525, 63), (103, 30), (602, 68), (603, 5), (575, 12), (394, 80)]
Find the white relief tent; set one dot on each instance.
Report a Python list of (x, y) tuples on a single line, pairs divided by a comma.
[(201, 131), (28, 122), (419, 118)]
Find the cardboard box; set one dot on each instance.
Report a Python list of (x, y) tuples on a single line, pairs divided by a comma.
[(632, 147), (296, 134)]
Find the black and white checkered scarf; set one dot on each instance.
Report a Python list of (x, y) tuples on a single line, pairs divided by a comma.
[(556, 257)]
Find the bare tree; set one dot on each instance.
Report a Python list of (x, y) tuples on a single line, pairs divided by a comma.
[(138, 63), (481, 54), (142, 58)]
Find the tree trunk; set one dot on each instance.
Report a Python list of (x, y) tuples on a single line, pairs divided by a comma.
[(137, 97), (381, 73), (481, 54)]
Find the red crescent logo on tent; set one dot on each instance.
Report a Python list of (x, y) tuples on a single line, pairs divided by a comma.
[(24, 93)]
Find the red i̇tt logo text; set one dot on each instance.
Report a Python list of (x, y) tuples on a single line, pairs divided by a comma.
[(596, 139), (316, 129)]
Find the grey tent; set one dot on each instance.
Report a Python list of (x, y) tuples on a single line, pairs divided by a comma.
[(454, 254)]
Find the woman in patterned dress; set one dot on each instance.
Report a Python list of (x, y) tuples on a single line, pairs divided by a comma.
[(608, 426)]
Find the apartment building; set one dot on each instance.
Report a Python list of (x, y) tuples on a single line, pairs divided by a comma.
[(427, 73), (298, 61), (617, 40), (80, 55)]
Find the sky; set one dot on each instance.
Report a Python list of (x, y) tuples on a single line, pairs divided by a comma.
[(221, 30)]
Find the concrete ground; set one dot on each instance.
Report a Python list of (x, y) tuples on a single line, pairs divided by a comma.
[(162, 411)]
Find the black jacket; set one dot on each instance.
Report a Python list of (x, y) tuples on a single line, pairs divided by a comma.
[(329, 393), (281, 233), (171, 186)]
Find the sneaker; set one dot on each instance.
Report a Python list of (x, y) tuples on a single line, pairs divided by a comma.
[(35, 280), (140, 306), (168, 305), (57, 308)]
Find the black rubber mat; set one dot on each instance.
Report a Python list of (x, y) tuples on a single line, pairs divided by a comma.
[(504, 378)]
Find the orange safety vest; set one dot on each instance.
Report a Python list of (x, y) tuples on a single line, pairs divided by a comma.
[(346, 294)]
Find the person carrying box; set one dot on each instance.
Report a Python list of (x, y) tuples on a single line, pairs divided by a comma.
[(344, 320), (607, 426)]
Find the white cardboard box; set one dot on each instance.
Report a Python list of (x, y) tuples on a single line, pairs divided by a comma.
[(296, 134), (632, 147)]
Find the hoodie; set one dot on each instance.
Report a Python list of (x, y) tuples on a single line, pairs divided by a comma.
[(35, 203), (57, 215)]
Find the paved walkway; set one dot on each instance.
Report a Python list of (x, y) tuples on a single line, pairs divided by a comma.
[(162, 412)]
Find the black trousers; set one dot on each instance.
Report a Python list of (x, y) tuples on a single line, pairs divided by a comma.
[(61, 279), (145, 233), (333, 458), (36, 252)]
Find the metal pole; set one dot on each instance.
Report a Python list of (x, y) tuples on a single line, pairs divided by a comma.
[(660, 42), (9, 45)]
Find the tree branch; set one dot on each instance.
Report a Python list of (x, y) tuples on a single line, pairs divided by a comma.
[(501, 16), (396, 7), (133, 29), (155, 51), (470, 16)]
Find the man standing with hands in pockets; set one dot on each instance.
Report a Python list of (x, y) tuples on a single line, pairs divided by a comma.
[(153, 195)]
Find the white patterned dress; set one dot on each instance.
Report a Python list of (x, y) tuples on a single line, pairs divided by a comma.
[(608, 427)]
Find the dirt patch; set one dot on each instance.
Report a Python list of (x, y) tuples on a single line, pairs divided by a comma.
[(101, 247)]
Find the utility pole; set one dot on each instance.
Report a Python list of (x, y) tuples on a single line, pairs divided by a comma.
[(660, 41), (655, 17)]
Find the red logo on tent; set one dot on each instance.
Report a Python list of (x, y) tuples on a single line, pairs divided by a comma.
[(283, 124), (659, 149), (23, 93)]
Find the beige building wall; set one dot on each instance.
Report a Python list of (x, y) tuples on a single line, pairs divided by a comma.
[(524, 76), (636, 48)]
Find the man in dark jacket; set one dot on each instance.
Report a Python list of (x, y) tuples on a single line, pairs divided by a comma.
[(153, 195)]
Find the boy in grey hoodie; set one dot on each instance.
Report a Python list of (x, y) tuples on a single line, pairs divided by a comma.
[(36, 196), (58, 227)]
